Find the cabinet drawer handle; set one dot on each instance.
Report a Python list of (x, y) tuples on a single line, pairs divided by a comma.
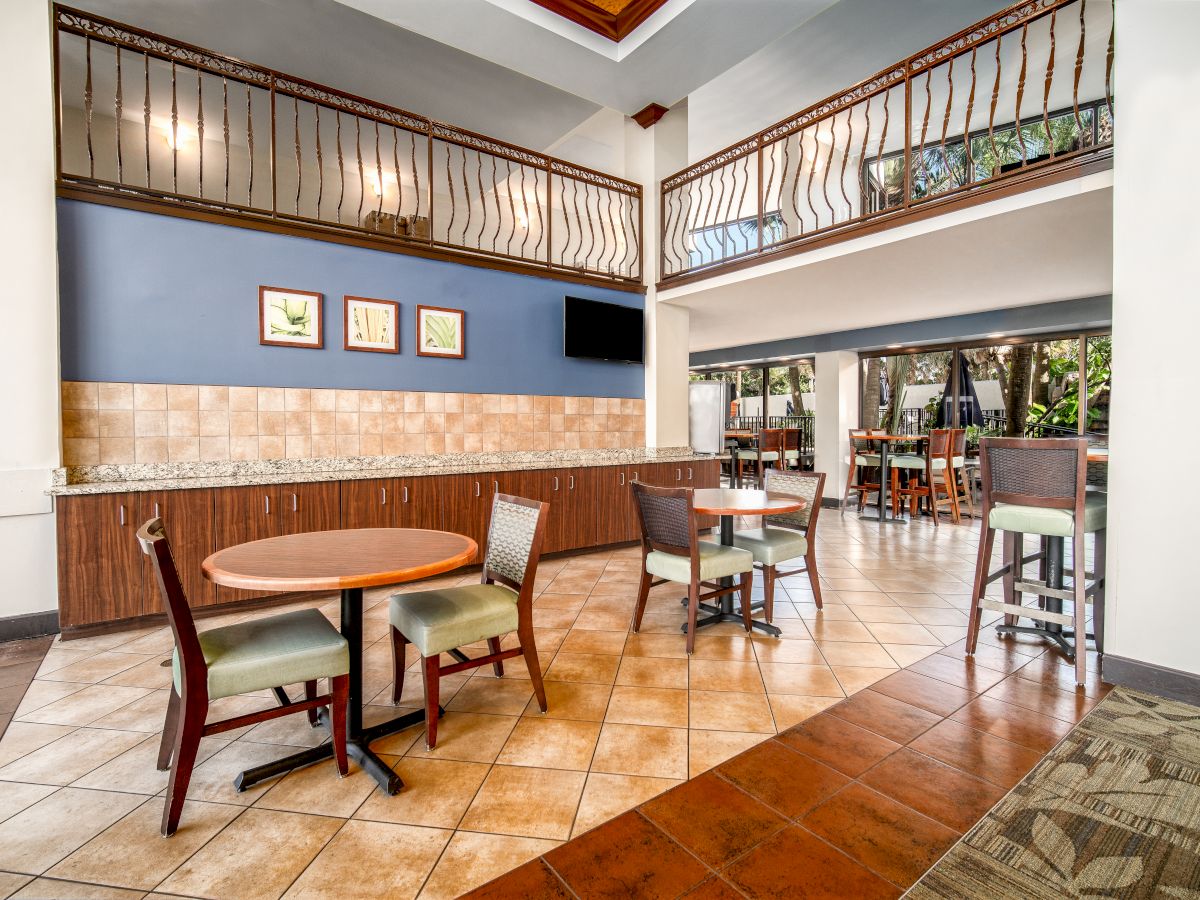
[(156, 509), (556, 482), (622, 479), (121, 514), (689, 473), (267, 504), (635, 476), (495, 487), (383, 496), (679, 475), (478, 491), (570, 482), (295, 503), (404, 494)]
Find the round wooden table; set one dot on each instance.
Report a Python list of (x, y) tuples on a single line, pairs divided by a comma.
[(346, 561), (728, 503)]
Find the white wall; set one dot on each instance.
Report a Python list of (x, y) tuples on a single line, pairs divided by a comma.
[(836, 376), (29, 341), (1153, 611)]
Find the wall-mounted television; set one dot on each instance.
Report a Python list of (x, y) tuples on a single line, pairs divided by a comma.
[(596, 330)]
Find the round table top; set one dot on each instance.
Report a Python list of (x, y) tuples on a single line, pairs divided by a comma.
[(333, 560), (891, 437), (744, 502)]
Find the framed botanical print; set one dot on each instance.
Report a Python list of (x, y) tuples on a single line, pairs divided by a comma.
[(371, 325), (441, 332), (290, 318)]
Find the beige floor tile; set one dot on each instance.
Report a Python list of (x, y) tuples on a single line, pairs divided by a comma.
[(609, 643), (903, 634), (724, 675), (132, 853), (212, 780), (642, 750), (737, 647), (829, 630), (97, 667), (320, 791), (846, 653), (652, 672), (136, 770), (42, 693), (569, 602), (769, 649), (470, 860), (711, 748), (910, 599), (546, 617), (544, 742), (607, 796), (730, 711), (893, 614), (603, 619), (854, 678), (792, 709), (867, 600), (526, 802), (588, 668), (471, 737), (85, 706), (71, 756), (907, 654), (396, 744), (830, 612), (16, 796), (932, 615), (149, 674), (436, 793), (146, 714), (792, 678), (25, 737), (372, 859), (37, 837), (648, 706), (41, 888), (10, 883), (569, 700), (60, 655), (662, 646), (488, 694)]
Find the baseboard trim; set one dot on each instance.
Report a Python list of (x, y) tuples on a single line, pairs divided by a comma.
[(1144, 676), (30, 625)]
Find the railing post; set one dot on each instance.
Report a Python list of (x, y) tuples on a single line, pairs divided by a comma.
[(907, 134), (550, 214), (429, 158), (761, 200), (274, 206)]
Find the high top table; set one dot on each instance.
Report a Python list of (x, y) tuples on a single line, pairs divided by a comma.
[(729, 503), (345, 561), (885, 441)]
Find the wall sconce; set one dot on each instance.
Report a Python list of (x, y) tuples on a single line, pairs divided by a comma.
[(179, 136), (379, 187)]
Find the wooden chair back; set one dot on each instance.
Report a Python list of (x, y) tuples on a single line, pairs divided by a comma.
[(791, 439), (667, 519), (857, 445), (770, 439), (516, 533), (152, 537), (1049, 472), (941, 443), (809, 486), (959, 442)]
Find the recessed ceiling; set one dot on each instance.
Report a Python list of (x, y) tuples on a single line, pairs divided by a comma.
[(613, 19)]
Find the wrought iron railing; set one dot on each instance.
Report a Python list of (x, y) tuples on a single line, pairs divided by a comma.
[(805, 424), (143, 117), (1025, 93)]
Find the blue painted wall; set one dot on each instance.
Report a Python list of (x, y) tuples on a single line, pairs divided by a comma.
[(155, 298)]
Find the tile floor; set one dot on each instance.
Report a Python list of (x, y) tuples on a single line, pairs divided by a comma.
[(630, 717)]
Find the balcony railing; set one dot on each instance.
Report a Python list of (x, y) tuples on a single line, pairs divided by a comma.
[(145, 120), (1017, 98)]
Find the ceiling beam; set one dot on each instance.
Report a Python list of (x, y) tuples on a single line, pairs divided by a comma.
[(614, 26)]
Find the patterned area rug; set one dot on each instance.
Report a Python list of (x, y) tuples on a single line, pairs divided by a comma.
[(1113, 811)]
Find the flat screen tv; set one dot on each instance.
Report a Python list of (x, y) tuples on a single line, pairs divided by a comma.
[(596, 330)]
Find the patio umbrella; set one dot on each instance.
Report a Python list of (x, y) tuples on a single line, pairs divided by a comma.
[(969, 411)]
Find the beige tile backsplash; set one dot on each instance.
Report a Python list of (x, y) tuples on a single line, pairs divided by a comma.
[(111, 423)]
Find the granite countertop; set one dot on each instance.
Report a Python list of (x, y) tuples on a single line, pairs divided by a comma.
[(112, 479)]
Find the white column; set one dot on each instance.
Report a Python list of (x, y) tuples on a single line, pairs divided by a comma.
[(1152, 613), (29, 401), (837, 400), (651, 155)]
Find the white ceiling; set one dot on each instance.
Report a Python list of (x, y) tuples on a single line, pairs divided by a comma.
[(1051, 244)]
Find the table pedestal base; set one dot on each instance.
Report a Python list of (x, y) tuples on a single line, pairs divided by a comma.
[(1054, 553)]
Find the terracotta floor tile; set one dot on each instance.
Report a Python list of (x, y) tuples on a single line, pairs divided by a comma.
[(794, 678), (792, 709), (789, 782), (607, 796), (716, 888), (470, 860), (569, 700), (1070, 706), (846, 653), (772, 650), (532, 881), (707, 749), (626, 857), (966, 672), (42, 834), (470, 737), (652, 672), (950, 796), (771, 871), (730, 711), (526, 802), (664, 646), (589, 668), (713, 819), (642, 750), (724, 675), (648, 706), (837, 743), (397, 857), (1001, 659), (1052, 670), (894, 719), (610, 643), (998, 761), (735, 647), (551, 743), (855, 678), (889, 838), (1013, 723), (487, 694), (925, 692)]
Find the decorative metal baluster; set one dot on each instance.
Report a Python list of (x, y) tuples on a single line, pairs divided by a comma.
[(1108, 64), (146, 112), (880, 173), (637, 244), (862, 155), (770, 185), (670, 210), (704, 226), (566, 220), (812, 173), (249, 149), (537, 202), (225, 129), (719, 197), (678, 247), (992, 113), (378, 173), (946, 123), (924, 129), (1046, 95), (362, 183), (341, 167), (118, 100), (741, 203), (612, 227), (825, 172), (174, 133), (846, 158), (87, 107), (621, 269), (512, 209), (399, 180), (296, 141), (450, 191), (587, 214), (482, 199), (783, 177), (320, 158), (412, 137), (525, 206), (969, 175), (1020, 94), (200, 131), (1079, 69), (496, 197), (796, 182)]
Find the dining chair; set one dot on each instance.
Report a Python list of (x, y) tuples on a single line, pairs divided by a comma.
[(768, 450), (961, 476), (444, 619), (259, 654), (1039, 486), (672, 552), (787, 536), (863, 455), (929, 475), (791, 449)]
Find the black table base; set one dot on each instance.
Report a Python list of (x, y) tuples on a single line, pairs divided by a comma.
[(725, 611), (358, 738), (880, 513)]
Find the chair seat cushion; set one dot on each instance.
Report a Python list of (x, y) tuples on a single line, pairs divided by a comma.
[(716, 561), (959, 462), (1050, 522), (440, 620), (914, 461), (768, 455), (770, 546), (271, 652), (791, 454), (865, 459)]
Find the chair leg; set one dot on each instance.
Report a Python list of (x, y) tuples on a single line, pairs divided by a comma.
[(187, 742), (643, 595), (170, 727), (431, 670), (310, 693), (534, 665), (768, 573), (814, 577), (849, 483), (894, 478), (1079, 564), (1013, 548), (494, 647), (747, 612), (969, 491), (693, 608), (952, 493), (1098, 597), (399, 646), (986, 537), (339, 686)]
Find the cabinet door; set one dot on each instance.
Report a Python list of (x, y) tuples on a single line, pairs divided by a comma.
[(580, 511), (466, 500), (99, 560), (240, 515), (370, 503), (704, 474), (611, 484), (314, 506), (548, 486), (188, 519), (419, 504)]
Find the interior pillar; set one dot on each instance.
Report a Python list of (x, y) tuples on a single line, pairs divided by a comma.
[(837, 402)]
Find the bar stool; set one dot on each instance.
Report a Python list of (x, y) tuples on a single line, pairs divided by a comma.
[(863, 455), (935, 463), (1039, 486)]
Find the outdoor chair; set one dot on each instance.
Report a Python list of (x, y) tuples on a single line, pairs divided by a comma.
[(863, 455), (768, 451), (930, 475), (962, 477)]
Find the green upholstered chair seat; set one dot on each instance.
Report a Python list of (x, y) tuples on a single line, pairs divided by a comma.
[(271, 652), (959, 462), (1050, 522), (865, 459), (716, 561), (791, 454), (440, 620), (770, 546), (913, 461), (768, 455)]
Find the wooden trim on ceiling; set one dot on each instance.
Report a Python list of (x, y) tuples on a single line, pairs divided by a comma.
[(592, 17), (650, 114)]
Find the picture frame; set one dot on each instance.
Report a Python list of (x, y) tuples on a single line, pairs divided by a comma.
[(441, 332), (290, 318), (370, 325)]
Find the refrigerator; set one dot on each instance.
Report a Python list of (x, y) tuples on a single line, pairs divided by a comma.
[(708, 406)]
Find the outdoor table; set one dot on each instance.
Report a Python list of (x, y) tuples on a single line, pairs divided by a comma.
[(346, 561), (885, 441), (729, 503)]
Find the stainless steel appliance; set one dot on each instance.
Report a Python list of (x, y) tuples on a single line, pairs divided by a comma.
[(708, 405)]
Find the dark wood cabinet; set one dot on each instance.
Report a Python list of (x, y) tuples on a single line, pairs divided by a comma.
[(313, 506), (370, 503), (466, 503), (419, 503), (188, 520), (99, 561)]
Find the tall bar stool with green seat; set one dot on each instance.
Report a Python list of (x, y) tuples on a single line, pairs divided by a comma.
[(269, 652), (1039, 486), (672, 552), (962, 478), (439, 621), (935, 464), (863, 455), (768, 451), (787, 536)]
